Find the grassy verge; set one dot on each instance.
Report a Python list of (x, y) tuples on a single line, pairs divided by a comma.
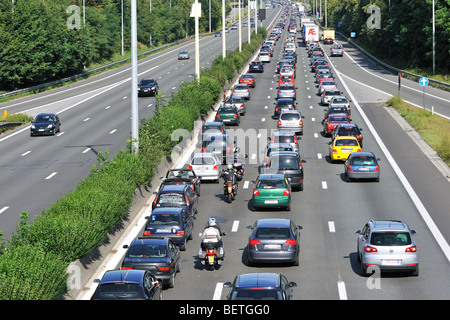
[(17, 118), (434, 129)]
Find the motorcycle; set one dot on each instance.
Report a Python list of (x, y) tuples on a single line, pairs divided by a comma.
[(238, 169), (230, 190), (211, 252)]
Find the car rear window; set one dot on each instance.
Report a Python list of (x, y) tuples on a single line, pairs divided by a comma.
[(256, 294), (346, 142), (164, 218), (273, 233), (337, 119), (396, 238), (284, 139), (119, 291), (363, 161), (271, 184), (290, 116), (284, 163), (348, 131), (171, 199), (147, 251), (203, 161)]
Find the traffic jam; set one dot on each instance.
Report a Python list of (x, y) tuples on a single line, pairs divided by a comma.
[(152, 261)]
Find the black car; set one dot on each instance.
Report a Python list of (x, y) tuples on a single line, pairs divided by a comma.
[(174, 223), (147, 87), (260, 286), (350, 129), (160, 256), (289, 163), (128, 285), (45, 124), (176, 196), (219, 144), (183, 176), (283, 103)]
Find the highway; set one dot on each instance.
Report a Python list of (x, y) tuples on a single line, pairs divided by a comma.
[(329, 210)]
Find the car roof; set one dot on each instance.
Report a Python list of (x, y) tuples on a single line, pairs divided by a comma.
[(391, 225), (252, 280), (130, 276)]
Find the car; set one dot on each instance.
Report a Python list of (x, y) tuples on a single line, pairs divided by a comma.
[(273, 240), (326, 85), (176, 196), (183, 55), (218, 144), (290, 120), (321, 68), (328, 40), (206, 165), (211, 128), (228, 114), (218, 34), (267, 48), (362, 165), (159, 255), (45, 124), (236, 101), (241, 90), (340, 100), (336, 50), (323, 74), (173, 223), (256, 66), (288, 163), (273, 147), (271, 190), (182, 176), (286, 79), (260, 286), (341, 148), (280, 136), (328, 95), (335, 110), (136, 284), (387, 245), (287, 90), (248, 79), (148, 87), (350, 129), (281, 104), (264, 56), (332, 121), (233, 27), (316, 63), (287, 71)]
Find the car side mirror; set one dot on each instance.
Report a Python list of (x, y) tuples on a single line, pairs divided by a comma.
[(358, 232), (227, 284)]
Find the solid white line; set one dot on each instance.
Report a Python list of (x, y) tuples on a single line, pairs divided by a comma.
[(235, 226), (342, 291), (51, 176), (218, 291), (3, 209), (331, 227)]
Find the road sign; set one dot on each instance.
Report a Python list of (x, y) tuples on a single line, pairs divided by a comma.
[(424, 81)]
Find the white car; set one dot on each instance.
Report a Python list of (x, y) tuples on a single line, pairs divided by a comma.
[(264, 57), (326, 85), (206, 165), (340, 100), (241, 90), (291, 120)]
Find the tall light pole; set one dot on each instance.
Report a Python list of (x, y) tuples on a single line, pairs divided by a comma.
[(134, 94), (121, 5), (240, 27), (224, 42), (196, 12), (434, 44), (248, 21)]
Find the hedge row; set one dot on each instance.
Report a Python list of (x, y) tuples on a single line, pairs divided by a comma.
[(33, 263)]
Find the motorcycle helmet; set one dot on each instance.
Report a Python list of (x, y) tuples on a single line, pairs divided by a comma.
[(229, 166), (212, 222)]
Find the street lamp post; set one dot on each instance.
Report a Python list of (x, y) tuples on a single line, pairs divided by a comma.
[(134, 93)]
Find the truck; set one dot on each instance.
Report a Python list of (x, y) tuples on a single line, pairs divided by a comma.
[(310, 33), (304, 20), (328, 36)]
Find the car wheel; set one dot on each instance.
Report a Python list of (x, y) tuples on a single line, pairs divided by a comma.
[(363, 269), (183, 246), (415, 273), (172, 281)]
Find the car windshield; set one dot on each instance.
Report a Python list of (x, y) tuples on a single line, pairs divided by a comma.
[(290, 116), (147, 82), (256, 294), (164, 218), (183, 52), (284, 163), (363, 161), (271, 184), (203, 161), (147, 251), (388, 238), (171, 199), (119, 291), (346, 142), (44, 118)]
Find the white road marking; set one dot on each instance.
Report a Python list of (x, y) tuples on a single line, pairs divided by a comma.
[(3, 209), (235, 226), (319, 156), (87, 119), (324, 185), (218, 291), (246, 183), (25, 153), (342, 291), (331, 227), (111, 132), (51, 176), (86, 150)]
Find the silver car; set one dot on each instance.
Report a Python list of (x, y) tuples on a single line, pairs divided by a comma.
[(291, 120), (362, 165), (326, 85), (286, 90), (281, 136), (264, 56), (206, 165), (236, 101), (337, 50), (387, 245), (241, 90), (183, 55), (328, 95), (340, 100)]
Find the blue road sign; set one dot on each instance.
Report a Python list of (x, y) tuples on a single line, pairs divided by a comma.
[(424, 81)]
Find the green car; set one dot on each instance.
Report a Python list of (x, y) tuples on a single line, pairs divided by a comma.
[(228, 115), (272, 191)]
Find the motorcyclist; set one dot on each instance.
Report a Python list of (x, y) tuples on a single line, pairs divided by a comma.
[(212, 231), (229, 175)]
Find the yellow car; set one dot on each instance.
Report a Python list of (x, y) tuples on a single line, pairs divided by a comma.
[(341, 147)]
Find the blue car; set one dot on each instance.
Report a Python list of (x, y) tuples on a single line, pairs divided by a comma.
[(256, 66), (176, 196), (174, 223), (362, 165), (128, 285)]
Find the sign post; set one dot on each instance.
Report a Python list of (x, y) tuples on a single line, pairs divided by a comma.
[(423, 82)]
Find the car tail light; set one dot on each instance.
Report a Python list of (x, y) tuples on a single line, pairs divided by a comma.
[(235, 116), (291, 242), (216, 167), (286, 192), (295, 139), (147, 233), (190, 167), (359, 150), (276, 109), (300, 122), (218, 116), (334, 151), (256, 193), (126, 268), (279, 122), (377, 168), (359, 137), (254, 242), (350, 168), (370, 249), (187, 199), (180, 233), (203, 149), (154, 201), (163, 268), (411, 249)]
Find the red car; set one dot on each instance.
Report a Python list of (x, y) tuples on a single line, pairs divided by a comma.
[(247, 79), (332, 121), (286, 79)]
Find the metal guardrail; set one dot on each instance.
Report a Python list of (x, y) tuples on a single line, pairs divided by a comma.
[(9, 124)]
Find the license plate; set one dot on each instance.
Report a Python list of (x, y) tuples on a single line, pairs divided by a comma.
[(271, 201), (41, 129), (210, 259), (391, 262), (363, 169), (347, 150), (272, 246), (163, 230)]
